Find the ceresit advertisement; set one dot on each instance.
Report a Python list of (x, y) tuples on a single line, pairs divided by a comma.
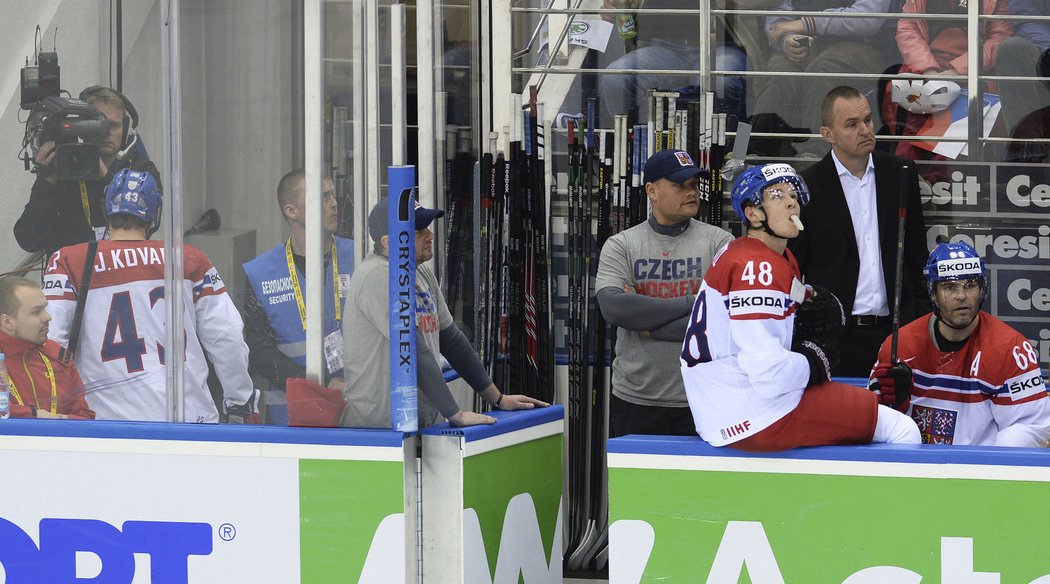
[(164, 512), (829, 515)]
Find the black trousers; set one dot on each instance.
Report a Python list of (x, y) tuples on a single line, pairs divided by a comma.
[(860, 349), (629, 418)]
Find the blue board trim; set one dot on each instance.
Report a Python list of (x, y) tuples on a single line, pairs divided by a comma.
[(201, 432), (917, 454), (506, 422)]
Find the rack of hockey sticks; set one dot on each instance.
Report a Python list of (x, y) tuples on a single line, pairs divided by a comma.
[(548, 197)]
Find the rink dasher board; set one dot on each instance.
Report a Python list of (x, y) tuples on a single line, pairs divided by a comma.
[(858, 468), (492, 500), (219, 503), (681, 510)]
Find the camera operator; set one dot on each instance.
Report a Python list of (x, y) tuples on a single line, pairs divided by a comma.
[(61, 213)]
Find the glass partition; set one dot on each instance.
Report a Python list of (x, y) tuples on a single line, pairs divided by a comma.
[(86, 222), (948, 86)]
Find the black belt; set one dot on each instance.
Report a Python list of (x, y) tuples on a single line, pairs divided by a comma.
[(868, 320)]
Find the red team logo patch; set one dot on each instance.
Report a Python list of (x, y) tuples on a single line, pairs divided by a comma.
[(683, 159), (936, 426)]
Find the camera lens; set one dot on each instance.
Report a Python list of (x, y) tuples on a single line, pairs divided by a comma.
[(76, 161)]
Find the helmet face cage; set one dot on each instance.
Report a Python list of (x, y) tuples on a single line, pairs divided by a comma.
[(750, 184), (134, 193), (955, 261)]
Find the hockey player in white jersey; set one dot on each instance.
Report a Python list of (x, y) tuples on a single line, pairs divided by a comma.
[(120, 348), (965, 376), (752, 382)]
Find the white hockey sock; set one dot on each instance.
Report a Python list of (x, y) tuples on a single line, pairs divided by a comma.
[(895, 428)]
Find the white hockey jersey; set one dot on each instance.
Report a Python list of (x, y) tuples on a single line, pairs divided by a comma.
[(989, 392), (739, 372), (120, 353)]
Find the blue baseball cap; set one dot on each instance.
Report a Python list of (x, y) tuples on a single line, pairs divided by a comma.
[(674, 165), (377, 218)]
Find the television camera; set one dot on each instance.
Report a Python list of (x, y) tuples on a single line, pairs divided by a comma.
[(74, 126)]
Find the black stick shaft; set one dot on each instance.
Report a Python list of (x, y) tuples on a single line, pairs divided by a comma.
[(902, 215)]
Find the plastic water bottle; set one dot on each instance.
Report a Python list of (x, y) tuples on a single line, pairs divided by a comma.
[(625, 25), (5, 390)]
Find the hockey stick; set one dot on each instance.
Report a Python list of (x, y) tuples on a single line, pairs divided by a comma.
[(898, 279)]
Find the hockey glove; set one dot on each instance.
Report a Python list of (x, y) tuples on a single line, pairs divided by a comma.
[(246, 413), (819, 365), (820, 317), (892, 383)]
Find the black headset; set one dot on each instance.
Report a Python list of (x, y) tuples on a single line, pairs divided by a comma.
[(131, 117)]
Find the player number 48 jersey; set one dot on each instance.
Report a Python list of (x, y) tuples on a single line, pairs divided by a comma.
[(739, 372)]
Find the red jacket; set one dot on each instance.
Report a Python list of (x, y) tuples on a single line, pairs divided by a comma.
[(914, 42), (25, 359)]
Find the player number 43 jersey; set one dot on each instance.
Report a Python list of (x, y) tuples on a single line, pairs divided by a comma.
[(121, 348)]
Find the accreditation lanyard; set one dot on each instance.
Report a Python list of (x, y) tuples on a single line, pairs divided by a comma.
[(294, 275), (50, 377), (84, 202)]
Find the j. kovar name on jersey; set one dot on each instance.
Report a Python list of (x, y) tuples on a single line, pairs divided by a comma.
[(668, 278), (120, 265)]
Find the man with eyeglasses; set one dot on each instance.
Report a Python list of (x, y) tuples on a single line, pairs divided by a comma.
[(964, 376)]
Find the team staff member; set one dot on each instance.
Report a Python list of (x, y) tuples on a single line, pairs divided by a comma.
[(368, 340), (850, 241), (42, 385), (120, 351), (753, 384), (69, 212), (970, 377), (275, 311), (647, 279)]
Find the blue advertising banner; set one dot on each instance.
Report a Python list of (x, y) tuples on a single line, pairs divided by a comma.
[(401, 222)]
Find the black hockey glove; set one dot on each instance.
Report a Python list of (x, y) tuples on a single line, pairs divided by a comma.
[(819, 364), (892, 383), (820, 318), (246, 413)]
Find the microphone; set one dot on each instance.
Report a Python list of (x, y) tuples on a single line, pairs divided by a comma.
[(209, 221)]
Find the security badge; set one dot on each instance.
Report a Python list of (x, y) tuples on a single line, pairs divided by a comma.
[(333, 351)]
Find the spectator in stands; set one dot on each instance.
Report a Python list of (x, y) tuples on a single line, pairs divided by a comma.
[(1035, 127), (42, 384), (671, 41), (938, 47), (832, 44), (1020, 56)]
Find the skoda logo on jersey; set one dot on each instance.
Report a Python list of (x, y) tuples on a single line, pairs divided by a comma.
[(742, 302), (167, 543), (959, 267)]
